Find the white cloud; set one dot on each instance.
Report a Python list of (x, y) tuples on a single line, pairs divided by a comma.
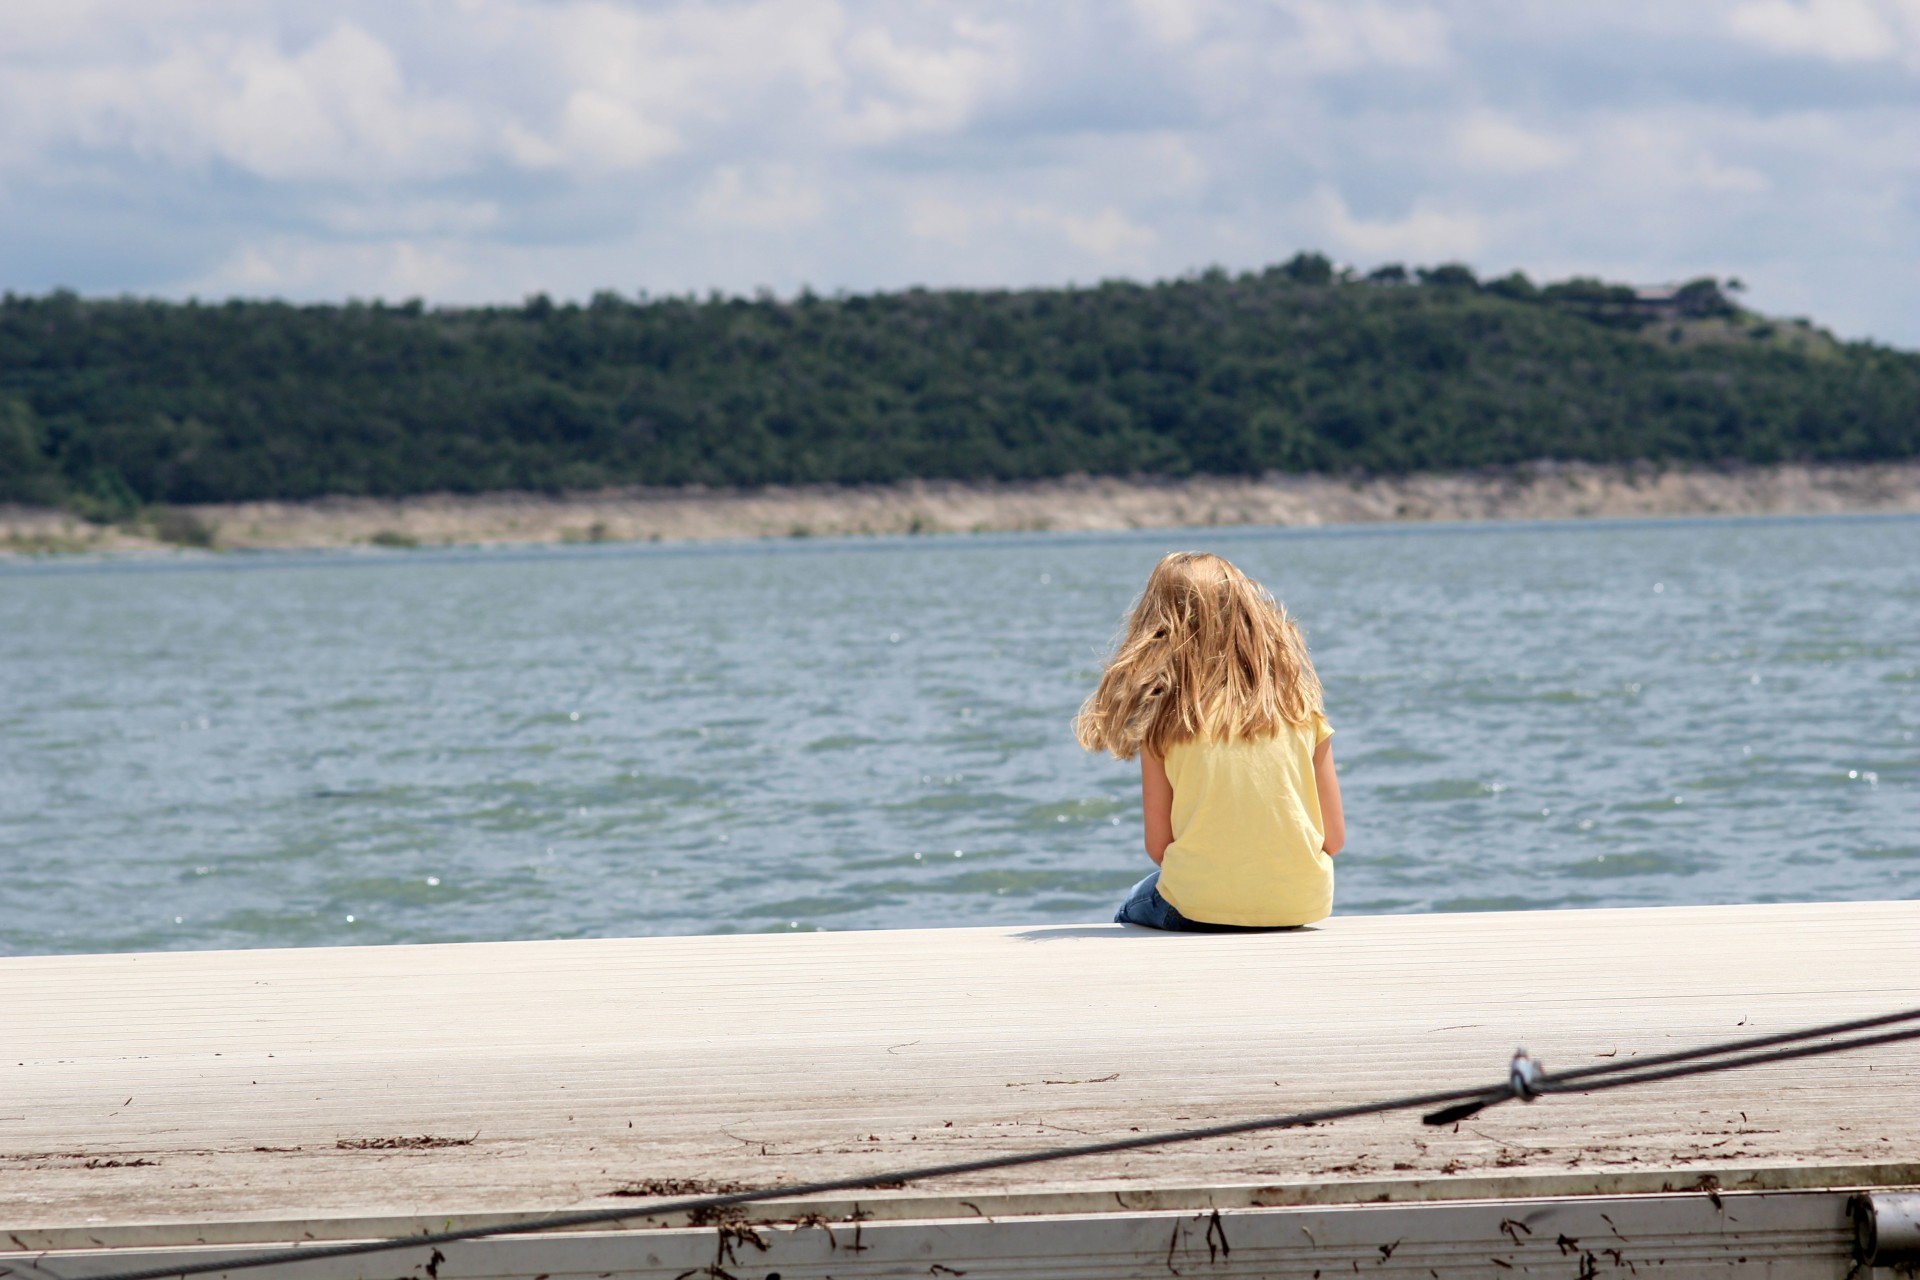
[(1711, 175), (944, 220), (1425, 234), (376, 217), (1167, 163), (1340, 35), (1172, 22), (1836, 30), (624, 89), (529, 150), (904, 89), (392, 269), (1107, 235), (599, 131), (1667, 153), (338, 109), (763, 201), (639, 86), (1496, 144), (482, 149)]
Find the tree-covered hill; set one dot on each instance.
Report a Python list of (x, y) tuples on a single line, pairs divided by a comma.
[(106, 404)]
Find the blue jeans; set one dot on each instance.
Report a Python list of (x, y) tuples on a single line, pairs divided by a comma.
[(1145, 907)]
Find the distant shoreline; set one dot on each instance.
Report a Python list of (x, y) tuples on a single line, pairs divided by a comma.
[(1541, 491)]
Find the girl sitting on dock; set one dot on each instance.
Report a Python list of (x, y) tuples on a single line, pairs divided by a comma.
[(1212, 688)]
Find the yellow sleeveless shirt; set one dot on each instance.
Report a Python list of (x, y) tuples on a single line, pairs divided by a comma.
[(1247, 830)]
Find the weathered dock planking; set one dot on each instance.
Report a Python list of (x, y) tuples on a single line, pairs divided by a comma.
[(157, 1105)]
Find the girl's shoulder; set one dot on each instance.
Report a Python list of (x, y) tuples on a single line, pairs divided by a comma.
[(1288, 736)]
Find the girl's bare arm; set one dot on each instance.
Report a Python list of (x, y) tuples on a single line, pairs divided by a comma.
[(1156, 805), (1328, 785)]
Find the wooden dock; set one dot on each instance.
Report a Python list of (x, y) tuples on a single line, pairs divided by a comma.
[(168, 1105)]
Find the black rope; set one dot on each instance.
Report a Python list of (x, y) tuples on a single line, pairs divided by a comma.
[(1628, 1078), (1671, 1066), (1742, 1045), (1558, 1081)]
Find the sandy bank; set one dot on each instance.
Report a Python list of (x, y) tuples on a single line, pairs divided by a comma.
[(1539, 492)]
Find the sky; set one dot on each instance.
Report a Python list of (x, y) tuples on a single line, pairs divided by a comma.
[(472, 151)]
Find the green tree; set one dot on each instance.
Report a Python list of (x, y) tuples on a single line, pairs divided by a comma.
[(110, 404), (1453, 275), (1308, 268), (1702, 297), (26, 472), (1513, 285)]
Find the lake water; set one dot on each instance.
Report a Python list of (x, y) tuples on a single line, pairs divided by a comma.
[(436, 746)]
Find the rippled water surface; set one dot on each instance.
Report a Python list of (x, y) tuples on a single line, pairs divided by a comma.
[(434, 746)]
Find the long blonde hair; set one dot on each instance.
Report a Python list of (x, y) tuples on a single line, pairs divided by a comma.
[(1206, 649)]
